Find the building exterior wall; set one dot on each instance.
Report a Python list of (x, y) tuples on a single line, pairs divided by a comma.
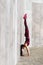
[(20, 10), (8, 32), (34, 10), (37, 24), (2, 31)]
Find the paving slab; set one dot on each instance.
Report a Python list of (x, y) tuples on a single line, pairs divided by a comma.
[(35, 58)]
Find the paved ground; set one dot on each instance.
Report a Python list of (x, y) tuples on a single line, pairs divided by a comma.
[(36, 57)]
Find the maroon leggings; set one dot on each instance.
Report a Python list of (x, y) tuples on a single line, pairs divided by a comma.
[(27, 41)]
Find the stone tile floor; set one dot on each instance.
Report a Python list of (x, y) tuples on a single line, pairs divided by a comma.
[(35, 58)]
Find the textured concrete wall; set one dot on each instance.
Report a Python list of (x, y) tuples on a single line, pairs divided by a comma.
[(20, 8), (34, 12), (2, 31), (37, 24), (8, 33), (27, 9)]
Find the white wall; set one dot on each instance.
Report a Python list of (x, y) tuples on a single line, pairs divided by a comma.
[(2, 31), (8, 32), (20, 8), (15, 32), (28, 9), (32, 14), (37, 24)]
